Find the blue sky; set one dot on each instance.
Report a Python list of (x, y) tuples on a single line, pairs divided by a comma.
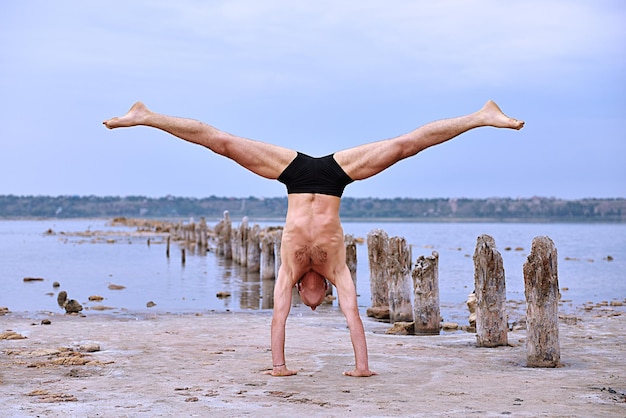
[(316, 76)]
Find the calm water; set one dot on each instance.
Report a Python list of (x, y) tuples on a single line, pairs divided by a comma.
[(85, 266)]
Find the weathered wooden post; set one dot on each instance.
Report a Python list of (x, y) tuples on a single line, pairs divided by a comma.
[(235, 244), (253, 249), (202, 234), (268, 260), (223, 230), (490, 287), (426, 312), (398, 272), (351, 261), (167, 248), (244, 230), (541, 282), (377, 249)]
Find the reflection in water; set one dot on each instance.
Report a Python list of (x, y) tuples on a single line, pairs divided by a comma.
[(246, 286)]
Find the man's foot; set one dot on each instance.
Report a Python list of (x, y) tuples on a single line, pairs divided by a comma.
[(496, 118), (360, 373), (135, 116)]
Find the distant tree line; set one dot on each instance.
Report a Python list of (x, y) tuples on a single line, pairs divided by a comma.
[(406, 209)]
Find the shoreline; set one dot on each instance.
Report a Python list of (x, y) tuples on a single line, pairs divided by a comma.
[(160, 364)]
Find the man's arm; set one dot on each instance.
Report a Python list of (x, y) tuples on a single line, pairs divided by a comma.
[(350, 309), (282, 306)]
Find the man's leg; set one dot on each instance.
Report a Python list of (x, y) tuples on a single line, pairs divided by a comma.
[(367, 160), (264, 159)]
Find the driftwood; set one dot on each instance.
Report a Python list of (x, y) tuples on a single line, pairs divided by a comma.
[(490, 288), (426, 313), (541, 284)]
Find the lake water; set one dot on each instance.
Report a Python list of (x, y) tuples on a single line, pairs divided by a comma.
[(86, 265)]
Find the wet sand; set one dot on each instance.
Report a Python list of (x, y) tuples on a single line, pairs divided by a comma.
[(212, 364)]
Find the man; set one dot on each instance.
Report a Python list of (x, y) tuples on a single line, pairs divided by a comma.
[(312, 248)]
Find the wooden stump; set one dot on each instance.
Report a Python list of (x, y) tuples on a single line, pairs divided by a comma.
[(253, 249), (223, 230), (203, 232), (398, 267), (235, 244), (268, 259), (541, 284), (377, 248), (426, 313), (242, 242), (490, 287)]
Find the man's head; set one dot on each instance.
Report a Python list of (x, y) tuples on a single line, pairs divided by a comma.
[(312, 288)]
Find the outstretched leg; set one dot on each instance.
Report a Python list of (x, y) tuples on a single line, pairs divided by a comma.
[(367, 160), (264, 159)]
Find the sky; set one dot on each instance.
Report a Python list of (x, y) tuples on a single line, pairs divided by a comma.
[(315, 76)]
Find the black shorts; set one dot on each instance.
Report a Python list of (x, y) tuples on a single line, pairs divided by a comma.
[(322, 175)]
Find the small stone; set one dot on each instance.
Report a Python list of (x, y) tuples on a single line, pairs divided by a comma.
[(116, 287), (222, 295), (33, 279), (95, 298), (45, 322), (72, 306), (450, 326), (56, 284), (11, 335), (89, 347), (378, 312), (401, 328), (62, 298), (150, 304)]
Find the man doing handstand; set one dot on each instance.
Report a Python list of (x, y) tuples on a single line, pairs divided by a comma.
[(313, 249)]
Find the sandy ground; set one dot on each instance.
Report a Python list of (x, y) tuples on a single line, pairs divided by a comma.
[(212, 365)]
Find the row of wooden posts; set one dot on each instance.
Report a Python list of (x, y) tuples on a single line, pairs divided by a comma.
[(410, 292)]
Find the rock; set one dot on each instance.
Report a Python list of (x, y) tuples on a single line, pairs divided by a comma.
[(101, 308), (116, 287), (89, 347), (95, 298), (4, 310), (72, 306), (222, 295), (56, 284), (450, 326), (33, 279), (62, 298), (45, 322), (11, 335), (402, 328), (471, 305), (150, 304), (378, 312)]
